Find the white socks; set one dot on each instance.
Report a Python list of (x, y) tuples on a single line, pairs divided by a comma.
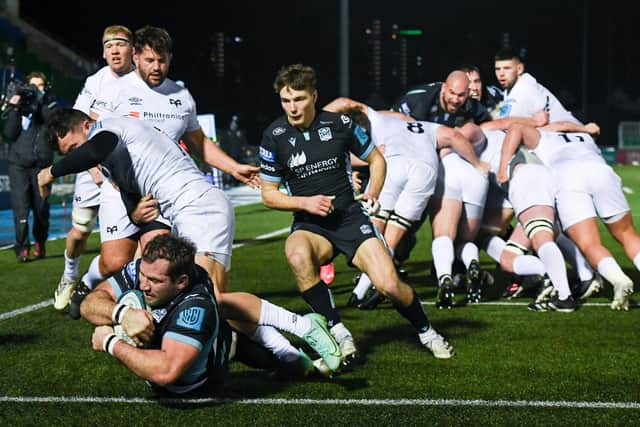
[(525, 265), (442, 253), (469, 252), (274, 341), (93, 277), (364, 283), (611, 271), (278, 317), (495, 246), (554, 264), (71, 266)]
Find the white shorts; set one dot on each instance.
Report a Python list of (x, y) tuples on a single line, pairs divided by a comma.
[(459, 180), (407, 187), (86, 193), (531, 185), (209, 222), (112, 215), (587, 190)]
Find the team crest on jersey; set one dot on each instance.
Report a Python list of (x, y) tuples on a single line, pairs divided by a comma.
[(131, 270), (366, 229), (297, 160), (292, 141), (325, 134), (191, 318), (267, 155), (278, 131), (158, 314), (345, 119), (134, 100), (405, 108)]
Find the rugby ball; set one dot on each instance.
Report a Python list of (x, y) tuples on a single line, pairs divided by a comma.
[(134, 298)]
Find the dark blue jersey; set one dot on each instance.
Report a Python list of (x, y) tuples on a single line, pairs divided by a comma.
[(316, 160), (423, 103), (191, 317)]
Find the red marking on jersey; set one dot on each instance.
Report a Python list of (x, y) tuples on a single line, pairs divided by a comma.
[(134, 114)]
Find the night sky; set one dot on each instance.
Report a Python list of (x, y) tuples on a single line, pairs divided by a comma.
[(276, 33)]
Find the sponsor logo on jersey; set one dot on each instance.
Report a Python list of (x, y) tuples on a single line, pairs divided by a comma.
[(134, 114), (325, 134), (134, 100), (366, 229), (297, 160), (362, 136), (191, 318), (278, 131), (322, 122), (112, 229), (267, 155), (292, 141), (267, 167), (175, 102), (149, 115), (345, 119), (98, 103)]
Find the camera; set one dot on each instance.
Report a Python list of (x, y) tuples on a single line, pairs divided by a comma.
[(30, 96)]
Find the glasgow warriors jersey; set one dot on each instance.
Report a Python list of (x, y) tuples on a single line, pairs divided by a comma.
[(423, 103), (314, 161), (191, 317)]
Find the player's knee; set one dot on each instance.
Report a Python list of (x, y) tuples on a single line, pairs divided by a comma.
[(112, 264), (537, 225), (383, 215), (400, 221), (83, 219)]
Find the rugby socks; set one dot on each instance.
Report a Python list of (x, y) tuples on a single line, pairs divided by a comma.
[(554, 264), (494, 245), (415, 314), (574, 257), (442, 253), (364, 283), (320, 300), (71, 267), (93, 277), (611, 271), (525, 265), (636, 261), (275, 342), (468, 252), (283, 319)]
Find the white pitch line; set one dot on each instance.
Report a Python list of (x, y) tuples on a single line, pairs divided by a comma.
[(27, 309), (338, 402), (514, 303), (262, 237)]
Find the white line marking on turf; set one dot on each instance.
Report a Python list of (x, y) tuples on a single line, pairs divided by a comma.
[(262, 237), (27, 309), (340, 402), (627, 190), (514, 303)]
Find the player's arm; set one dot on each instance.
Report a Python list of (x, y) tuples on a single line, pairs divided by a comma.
[(539, 119), (273, 198), (510, 145), (591, 128), (447, 137), (377, 173), (214, 156), (342, 104), (162, 367)]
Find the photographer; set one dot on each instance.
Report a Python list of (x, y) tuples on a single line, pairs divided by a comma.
[(26, 116)]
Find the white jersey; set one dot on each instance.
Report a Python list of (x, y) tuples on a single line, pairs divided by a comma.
[(169, 106), (557, 147), (528, 97), (493, 149), (415, 140), (93, 89), (148, 162)]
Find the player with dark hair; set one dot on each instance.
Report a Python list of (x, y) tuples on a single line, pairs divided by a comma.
[(308, 151)]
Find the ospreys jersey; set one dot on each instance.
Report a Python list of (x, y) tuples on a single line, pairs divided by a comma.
[(316, 160), (556, 147), (93, 89), (415, 140), (423, 103), (528, 97), (191, 318), (168, 106)]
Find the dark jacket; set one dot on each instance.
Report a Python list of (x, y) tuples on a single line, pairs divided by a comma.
[(29, 147)]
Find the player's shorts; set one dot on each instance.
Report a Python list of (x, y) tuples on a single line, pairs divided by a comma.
[(587, 190), (114, 221), (407, 187), (345, 229), (86, 193), (459, 180), (531, 185), (209, 222)]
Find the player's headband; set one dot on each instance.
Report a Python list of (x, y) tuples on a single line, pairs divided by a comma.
[(116, 38)]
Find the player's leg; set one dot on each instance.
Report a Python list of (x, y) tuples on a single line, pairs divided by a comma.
[(445, 216)]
